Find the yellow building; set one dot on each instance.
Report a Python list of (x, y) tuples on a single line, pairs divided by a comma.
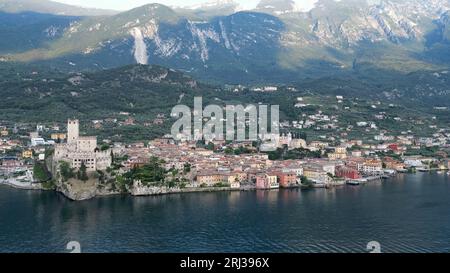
[(339, 153), (240, 176), (341, 150), (315, 173), (27, 154), (233, 180), (58, 136), (272, 179), (210, 178), (336, 156), (4, 133)]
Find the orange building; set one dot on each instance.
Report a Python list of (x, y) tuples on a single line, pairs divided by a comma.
[(287, 179)]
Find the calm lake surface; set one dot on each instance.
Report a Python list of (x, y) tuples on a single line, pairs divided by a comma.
[(410, 213)]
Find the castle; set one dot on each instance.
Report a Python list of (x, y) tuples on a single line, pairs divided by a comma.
[(81, 149)]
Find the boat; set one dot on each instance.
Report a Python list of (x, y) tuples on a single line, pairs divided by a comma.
[(353, 182), (274, 186)]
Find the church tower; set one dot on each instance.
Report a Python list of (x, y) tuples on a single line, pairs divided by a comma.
[(73, 130)]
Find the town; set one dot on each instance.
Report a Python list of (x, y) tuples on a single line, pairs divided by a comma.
[(55, 157)]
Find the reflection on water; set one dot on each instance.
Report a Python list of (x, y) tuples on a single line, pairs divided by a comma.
[(406, 214)]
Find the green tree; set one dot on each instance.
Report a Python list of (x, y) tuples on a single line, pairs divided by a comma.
[(210, 146), (306, 182), (186, 168), (171, 184), (122, 183), (104, 147), (41, 172), (65, 171), (152, 172), (229, 150), (82, 173)]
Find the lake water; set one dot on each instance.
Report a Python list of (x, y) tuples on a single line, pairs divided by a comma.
[(410, 213)]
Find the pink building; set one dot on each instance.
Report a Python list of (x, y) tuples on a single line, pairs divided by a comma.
[(261, 182)]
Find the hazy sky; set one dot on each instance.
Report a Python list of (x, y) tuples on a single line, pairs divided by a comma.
[(129, 4)]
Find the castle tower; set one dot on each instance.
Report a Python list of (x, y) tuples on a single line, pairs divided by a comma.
[(73, 130)]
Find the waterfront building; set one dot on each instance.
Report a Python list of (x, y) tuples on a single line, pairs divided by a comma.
[(82, 150), (9, 164), (210, 178), (315, 173), (261, 182), (240, 176), (414, 161), (272, 180), (267, 181), (233, 180), (394, 164), (346, 172), (287, 179), (372, 166)]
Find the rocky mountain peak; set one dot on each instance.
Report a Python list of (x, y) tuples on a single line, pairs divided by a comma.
[(278, 35), (277, 6)]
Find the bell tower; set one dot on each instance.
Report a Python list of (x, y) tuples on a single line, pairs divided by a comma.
[(73, 130)]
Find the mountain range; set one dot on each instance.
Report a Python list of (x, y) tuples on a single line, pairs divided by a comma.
[(276, 42), (50, 7)]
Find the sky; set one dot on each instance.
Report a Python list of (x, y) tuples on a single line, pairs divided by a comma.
[(129, 4)]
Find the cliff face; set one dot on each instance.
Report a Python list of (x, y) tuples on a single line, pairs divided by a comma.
[(78, 190)]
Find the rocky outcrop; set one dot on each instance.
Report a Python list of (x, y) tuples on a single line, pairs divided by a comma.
[(77, 190)]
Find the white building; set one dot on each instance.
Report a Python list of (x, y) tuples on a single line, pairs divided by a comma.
[(270, 88), (37, 141), (82, 149)]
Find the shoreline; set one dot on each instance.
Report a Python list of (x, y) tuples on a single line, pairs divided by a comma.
[(166, 191), (21, 185)]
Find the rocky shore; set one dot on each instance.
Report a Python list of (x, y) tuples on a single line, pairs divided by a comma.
[(140, 190), (21, 185), (77, 190)]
